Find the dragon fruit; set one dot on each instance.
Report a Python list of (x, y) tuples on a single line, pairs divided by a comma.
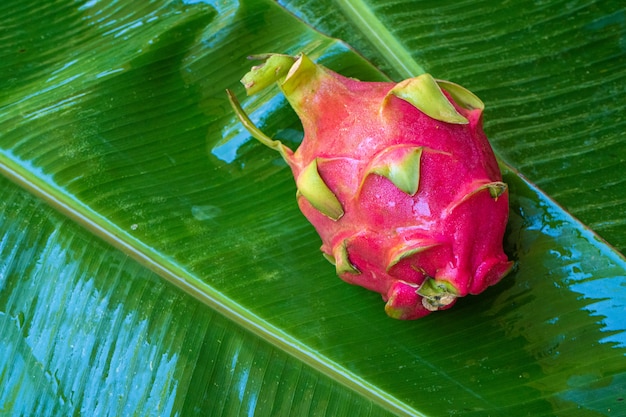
[(399, 181)]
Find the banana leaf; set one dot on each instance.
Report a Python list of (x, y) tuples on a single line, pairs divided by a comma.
[(153, 260)]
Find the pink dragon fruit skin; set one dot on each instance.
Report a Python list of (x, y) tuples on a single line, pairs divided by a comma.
[(399, 181)]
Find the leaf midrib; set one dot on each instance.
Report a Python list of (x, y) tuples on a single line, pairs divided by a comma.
[(389, 47)]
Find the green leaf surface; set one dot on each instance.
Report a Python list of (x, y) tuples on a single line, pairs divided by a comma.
[(115, 114), (87, 330)]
